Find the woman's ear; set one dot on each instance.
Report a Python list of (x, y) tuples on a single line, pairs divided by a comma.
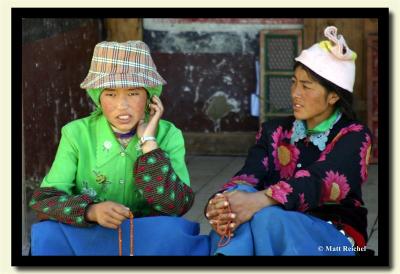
[(333, 98)]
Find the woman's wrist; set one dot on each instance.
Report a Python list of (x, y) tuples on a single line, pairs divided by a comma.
[(149, 146), (89, 213), (263, 200)]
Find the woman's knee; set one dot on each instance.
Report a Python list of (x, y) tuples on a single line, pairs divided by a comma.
[(48, 239), (270, 212), (270, 215)]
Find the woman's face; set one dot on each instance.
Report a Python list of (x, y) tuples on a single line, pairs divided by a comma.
[(311, 101), (123, 107)]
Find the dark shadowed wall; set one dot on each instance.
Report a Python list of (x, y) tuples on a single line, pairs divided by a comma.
[(56, 55)]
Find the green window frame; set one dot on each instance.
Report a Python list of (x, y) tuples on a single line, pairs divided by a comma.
[(276, 69)]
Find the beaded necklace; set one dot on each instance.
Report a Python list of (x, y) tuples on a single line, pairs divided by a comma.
[(129, 134), (124, 138)]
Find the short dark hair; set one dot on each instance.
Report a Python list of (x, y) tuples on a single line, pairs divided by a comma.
[(345, 102)]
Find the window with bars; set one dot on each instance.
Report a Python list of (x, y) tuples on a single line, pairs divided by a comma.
[(278, 48)]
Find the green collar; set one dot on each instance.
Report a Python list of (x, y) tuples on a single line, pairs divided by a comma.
[(324, 125)]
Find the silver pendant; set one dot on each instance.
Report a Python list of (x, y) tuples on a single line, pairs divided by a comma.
[(107, 145)]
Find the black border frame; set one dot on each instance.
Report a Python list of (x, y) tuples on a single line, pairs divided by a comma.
[(385, 163)]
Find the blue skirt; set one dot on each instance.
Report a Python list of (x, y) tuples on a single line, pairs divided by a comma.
[(275, 231), (161, 235)]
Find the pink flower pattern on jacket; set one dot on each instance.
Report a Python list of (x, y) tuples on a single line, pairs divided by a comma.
[(365, 153), (357, 203), (285, 154), (274, 161), (279, 191), (302, 173), (303, 205), (248, 179), (265, 162), (335, 187), (342, 132)]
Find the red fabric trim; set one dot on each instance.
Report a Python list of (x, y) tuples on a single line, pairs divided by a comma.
[(357, 236), (352, 232)]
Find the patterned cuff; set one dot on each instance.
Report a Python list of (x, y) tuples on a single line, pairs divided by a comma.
[(161, 187), (50, 203), (279, 192), (243, 179)]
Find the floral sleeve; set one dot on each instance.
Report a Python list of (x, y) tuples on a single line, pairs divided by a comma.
[(335, 178)]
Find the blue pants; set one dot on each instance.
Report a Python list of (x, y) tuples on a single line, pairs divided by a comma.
[(160, 235), (275, 231)]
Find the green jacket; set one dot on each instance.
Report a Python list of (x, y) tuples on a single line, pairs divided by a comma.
[(91, 161)]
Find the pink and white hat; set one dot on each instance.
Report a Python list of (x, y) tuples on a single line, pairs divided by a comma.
[(331, 59)]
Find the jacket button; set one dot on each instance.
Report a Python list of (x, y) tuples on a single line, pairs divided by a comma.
[(122, 181), (299, 165), (122, 154)]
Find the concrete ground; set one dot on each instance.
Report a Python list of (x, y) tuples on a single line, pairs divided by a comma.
[(208, 173)]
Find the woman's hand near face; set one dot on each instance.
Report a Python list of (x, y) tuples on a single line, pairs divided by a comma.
[(150, 128), (156, 111), (108, 214)]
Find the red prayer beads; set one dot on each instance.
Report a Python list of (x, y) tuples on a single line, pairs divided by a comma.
[(131, 237)]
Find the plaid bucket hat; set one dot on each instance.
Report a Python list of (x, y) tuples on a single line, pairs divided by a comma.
[(122, 65)]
